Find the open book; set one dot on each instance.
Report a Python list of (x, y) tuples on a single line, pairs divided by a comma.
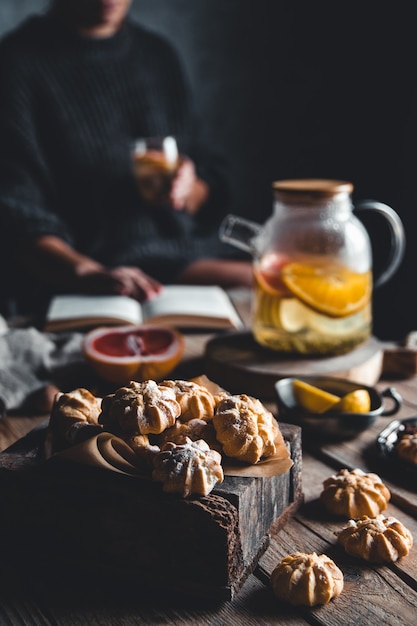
[(183, 306)]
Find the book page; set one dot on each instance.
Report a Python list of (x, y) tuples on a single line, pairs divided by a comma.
[(80, 307), (177, 305), (194, 304)]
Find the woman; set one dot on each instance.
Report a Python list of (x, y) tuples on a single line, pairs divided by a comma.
[(79, 85)]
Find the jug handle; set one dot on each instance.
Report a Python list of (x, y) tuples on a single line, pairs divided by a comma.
[(239, 232), (397, 237)]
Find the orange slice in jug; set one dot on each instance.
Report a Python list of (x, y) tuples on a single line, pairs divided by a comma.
[(333, 290)]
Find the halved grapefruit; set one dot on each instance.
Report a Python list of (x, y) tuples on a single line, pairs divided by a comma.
[(124, 353)]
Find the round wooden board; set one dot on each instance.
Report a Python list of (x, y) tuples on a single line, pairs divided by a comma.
[(237, 363)]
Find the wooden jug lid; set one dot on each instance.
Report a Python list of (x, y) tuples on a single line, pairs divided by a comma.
[(310, 189)]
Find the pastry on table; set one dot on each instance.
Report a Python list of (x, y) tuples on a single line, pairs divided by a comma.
[(355, 493), (245, 428), (70, 413), (194, 429), (189, 469), (139, 408), (406, 447), (143, 448), (376, 539), (196, 401), (306, 579)]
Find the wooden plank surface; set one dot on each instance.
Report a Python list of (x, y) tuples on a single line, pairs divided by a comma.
[(13, 428)]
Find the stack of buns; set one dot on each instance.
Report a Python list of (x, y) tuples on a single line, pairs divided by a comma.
[(178, 429)]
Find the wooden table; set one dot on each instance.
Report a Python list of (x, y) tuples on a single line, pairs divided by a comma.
[(372, 594)]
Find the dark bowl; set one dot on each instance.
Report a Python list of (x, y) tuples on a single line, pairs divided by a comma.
[(333, 424)]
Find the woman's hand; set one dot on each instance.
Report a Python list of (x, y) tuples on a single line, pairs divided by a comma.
[(188, 192), (124, 280), (61, 266)]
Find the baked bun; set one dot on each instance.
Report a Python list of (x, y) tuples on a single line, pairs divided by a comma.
[(189, 469), (70, 412), (143, 448), (77, 405), (140, 408), (307, 579), (196, 401), (376, 539), (406, 448), (245, 428), (193, 429), (353, 494)]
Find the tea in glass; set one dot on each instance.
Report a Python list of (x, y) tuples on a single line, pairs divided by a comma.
[(155, 165)]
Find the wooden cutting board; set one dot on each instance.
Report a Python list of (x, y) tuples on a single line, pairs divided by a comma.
[(237, 363)]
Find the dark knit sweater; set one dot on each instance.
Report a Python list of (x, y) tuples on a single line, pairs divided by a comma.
[(70, 108)]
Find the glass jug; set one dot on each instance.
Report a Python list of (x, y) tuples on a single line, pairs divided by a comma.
[(313, 267)]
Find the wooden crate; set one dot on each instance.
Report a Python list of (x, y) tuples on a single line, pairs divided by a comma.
[(64, 518)]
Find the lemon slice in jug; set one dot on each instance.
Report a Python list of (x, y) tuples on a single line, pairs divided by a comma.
[(293, 315)]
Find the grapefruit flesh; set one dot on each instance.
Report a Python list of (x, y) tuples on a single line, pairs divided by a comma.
[(125, 353), (138, 343)]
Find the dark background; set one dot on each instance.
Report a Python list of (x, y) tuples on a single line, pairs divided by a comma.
[(300, 88), (233, 52)]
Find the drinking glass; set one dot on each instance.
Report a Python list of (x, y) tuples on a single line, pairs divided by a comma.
[(155, 164)]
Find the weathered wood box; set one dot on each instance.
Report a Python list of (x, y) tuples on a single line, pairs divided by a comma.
[(68, 518)]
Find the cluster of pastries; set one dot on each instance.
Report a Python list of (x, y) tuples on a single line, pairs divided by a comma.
[(311, 579), (177, 428)]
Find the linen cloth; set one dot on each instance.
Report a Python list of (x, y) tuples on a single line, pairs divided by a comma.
[(31, 359)]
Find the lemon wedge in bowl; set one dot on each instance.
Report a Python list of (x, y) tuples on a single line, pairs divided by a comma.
[(312, 398), (357, 401), (317, 400), (327, 407)]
